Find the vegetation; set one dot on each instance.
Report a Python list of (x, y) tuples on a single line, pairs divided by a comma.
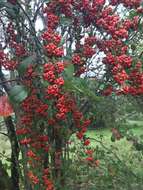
[(71, 85), (118, 161)]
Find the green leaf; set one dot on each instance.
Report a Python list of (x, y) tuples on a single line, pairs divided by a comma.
[(113, 138), (67, 58), (81, 86), (132, 14), (10, 8), (25, 64), (47, 1), (65, 21), (18, 93), (69, 70), (62, 42), (2, 4), (140, 27), (11, 13)]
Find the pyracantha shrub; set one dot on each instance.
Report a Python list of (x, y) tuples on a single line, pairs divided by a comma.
[(75, 33)]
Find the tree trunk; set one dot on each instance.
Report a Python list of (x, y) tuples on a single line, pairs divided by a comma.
[(14, 153), (58, 159), (5, 182)]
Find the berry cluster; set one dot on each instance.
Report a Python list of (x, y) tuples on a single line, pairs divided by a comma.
[(7, 63), (44, 127), (18, 49)]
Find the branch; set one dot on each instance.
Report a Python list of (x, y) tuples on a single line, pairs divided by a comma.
[(4, 134), (31, 24), (141, 54), (37, 11), (4, 84), (6, 81)]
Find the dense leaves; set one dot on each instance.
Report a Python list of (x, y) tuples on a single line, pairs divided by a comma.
[(18, 93)]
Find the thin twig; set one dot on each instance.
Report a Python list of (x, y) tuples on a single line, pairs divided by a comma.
[(4, 134)]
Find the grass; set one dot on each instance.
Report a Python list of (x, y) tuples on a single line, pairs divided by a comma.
[(136, 127), (123, 148)]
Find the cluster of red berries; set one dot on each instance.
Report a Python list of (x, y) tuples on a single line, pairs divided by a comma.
[(18, 47), (52, 41), (56, 105), (19, 50), (7, 63)]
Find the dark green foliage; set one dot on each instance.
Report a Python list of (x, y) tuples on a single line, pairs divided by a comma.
[(18, 93)]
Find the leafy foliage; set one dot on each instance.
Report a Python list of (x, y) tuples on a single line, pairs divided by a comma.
[(18, 93)]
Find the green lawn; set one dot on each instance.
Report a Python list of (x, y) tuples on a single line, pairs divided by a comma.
[(135, 126), (123, 148)]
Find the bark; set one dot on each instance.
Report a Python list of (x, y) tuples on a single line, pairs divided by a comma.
[(5, 182), (14, 142), (58, 171), (14, 153)]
